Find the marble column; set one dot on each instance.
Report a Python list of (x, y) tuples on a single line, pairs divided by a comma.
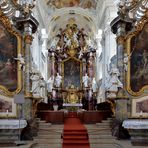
[(27, 41), (120, 53), (120, 28), (28, 25)]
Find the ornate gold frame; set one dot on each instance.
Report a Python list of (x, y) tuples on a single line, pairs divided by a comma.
[(6, 22), (129, 37), (73, 58)]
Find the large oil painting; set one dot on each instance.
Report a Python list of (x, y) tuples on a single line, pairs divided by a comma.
[(8, 66), (139, 60), (72, 72)]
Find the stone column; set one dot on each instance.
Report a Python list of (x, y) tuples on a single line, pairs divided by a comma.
[(120, 53), (27, 41), (120, 28), (28, 25)]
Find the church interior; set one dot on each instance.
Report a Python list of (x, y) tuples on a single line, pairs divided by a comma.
[(75, 74)]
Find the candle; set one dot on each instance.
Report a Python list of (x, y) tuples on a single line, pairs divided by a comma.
[(141, 113), (7, 111)]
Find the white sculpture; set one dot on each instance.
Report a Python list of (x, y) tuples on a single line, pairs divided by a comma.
[(58, 80), (94, 85), (50, 83), (85, 80), (21, 60), (42, 87), (54, 43), (35, 77), (113, 83)]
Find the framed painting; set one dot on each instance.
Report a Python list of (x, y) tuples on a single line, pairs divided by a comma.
[(7, 107), (137, 48), (140, 107), (10, 47), (71, 71)]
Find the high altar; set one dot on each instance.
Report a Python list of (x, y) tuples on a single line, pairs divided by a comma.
[(71, 60)]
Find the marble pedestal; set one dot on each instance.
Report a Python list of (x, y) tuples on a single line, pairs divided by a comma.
[(138, 130)]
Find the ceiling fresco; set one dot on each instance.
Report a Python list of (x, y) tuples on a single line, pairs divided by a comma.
[(86, 4)]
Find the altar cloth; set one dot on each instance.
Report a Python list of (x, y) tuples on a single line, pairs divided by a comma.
[(12, 124), (135, 124)]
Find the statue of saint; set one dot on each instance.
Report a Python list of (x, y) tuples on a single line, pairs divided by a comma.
[(58, 80), (94, 85), (85, 80), (50, 83), (113, 84), (35, 84)]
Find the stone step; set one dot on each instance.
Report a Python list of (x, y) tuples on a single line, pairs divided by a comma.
[(103, 124), (109, 145), (44, 125), (51, 131), (48, 141), (106, 121), (47, 146), (41, 121), (99, 129), (47, 136), (100, 141), (101, 136)]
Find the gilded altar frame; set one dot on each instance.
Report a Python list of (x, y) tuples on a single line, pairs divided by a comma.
[(11, 30), (129, 49), (75, 59)]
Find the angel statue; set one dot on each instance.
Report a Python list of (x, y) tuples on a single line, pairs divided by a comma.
[(21, 61)]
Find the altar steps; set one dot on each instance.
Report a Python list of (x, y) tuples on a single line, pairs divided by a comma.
[(49, 135), (100, 134)]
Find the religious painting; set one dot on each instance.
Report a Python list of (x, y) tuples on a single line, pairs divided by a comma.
[(9, 47), (140, 107), (7, 106), (138, 61), (86, 4), (72, 73)]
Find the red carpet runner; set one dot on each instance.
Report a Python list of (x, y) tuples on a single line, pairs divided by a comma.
[(75, 134)]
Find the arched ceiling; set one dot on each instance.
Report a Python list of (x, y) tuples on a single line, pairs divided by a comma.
[(79, 16)]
